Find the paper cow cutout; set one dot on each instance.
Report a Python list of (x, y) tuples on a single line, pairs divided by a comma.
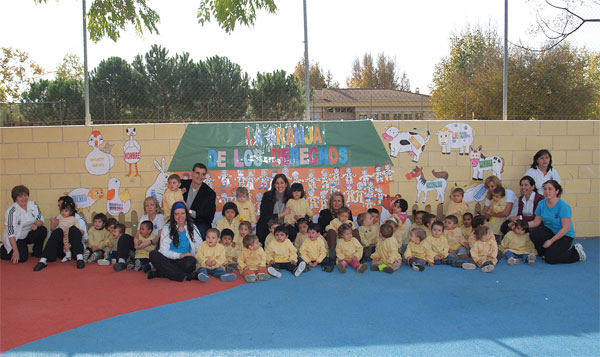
[(402, 141)]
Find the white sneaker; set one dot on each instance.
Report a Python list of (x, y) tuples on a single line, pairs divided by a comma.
[(513, 261), (103, 262), (581, 252), (274, 272), (300, 269), (469, 266), (66, 259), (531, 259), (488, 268)]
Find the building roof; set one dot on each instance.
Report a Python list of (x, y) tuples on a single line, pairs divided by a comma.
[(365, 95)]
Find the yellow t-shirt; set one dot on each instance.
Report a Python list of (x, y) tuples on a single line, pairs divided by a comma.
[(350, 250), (97, 238), (281, 252), (169, 198), (299, 207), (457, 209), (518, 244), (421, 250), (253, 259), (387, 251), (482, 252), (439, 245), (369, 234), (145, 252), (455, 238), (246, 210), (336, 223), (206, 252), (313, 250)]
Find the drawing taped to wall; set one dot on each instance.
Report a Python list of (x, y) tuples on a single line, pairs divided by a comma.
[(481, 163), (132, 151), (455, 136), (99, 161), (423, 186), (117, 201), (86, 197), (402, 141), (157, 190)]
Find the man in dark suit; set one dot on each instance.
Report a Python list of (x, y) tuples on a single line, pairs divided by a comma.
[(200, 198)]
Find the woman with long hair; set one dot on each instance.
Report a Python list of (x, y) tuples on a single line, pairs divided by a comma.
[(272, 205)]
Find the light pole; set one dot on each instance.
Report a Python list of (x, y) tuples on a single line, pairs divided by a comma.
[(306, 66), (88, 118)]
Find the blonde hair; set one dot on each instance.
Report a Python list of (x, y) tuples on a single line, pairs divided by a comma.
[(153, 199)]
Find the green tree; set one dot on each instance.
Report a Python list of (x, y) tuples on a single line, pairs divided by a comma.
[(109, 18), (58, 101), (18, 71), (71, 67), (228, 88), (157, 71), (276, 96), (318, 78), (383, 73)]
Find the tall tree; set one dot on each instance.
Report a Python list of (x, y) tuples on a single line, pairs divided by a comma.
[(71, 67), (54, 102), (157, 71), (18, 71), (318, 78), (228, 88), (276, 96), (383, 73), (109, 18)]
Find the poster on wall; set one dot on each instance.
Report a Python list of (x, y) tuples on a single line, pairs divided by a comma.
[(116, 201), (455, 136), (132, 152), (99, 161), (157, 190), (86, 197), (324, 156), (406, 141), (438, 185), (481, 163)]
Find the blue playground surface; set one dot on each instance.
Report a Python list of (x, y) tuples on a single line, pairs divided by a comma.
[(549, 310)]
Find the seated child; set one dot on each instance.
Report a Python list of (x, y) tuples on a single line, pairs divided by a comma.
[(376, 216), (497, 205), (281, 254), (438, 242), (253, 260), (65, 222), (172, 194), (418, 252), (484, 251), (467, 226), (386, 258), (211, 259), (419, 218), (516, 244), (479, 221), (244, 205), (231, 221), (97, 236), (343, 217), (110, 254), (272, 224), (298, 205), (143, 244), (231, 253), (400, 207), (314, 250), (302, 232), (369, 234), (349, 251), (455, 237), (428, 220), (244, 229), (457, 207)]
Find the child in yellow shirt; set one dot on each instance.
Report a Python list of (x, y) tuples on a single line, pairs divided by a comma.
[(230, 220), (348, 250), (172, 194), (516, 245), (245, 228), (116, 230), (455, 237), (314, 250), (272, 224), (428, 220), (418, 252), (231, 253), (281, 254), (298, 205), (438, 242), (484, 251), (369, 234), (97, 236), (497, 205), (343, 217), (400, 207), (467, 227), (244, 205), (457, 207), (419, 216), (386, 258), (143, 246), (211, 259), (253, 260), (302, 232)]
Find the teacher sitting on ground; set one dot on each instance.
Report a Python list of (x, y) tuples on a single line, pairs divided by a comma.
[(179, 242), (528, 203), (336, 202), (553, 231), (272, 205), (512, 202), (541, 170)]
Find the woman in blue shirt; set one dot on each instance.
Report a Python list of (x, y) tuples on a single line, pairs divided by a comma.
[(179, 242), (553, 231)]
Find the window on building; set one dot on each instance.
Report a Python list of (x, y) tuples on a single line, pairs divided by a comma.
[(408, 116), (330, 110), (363, 116), (385, 116)]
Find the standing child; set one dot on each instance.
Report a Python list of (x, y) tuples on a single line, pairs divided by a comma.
[(467, 226), (272, 224), (314, 250), (172, 194), (231, 221), (457, 207), (211, 259), (484, 251), (245, 205), (65, 222), (349, 251), (369, 234), (281, 254), (253, 260), (516, 244), (298, 205), (497, 205), (418, 252), (144, 244), (386, 258), (231, 253), (455, 237), (97, 237)]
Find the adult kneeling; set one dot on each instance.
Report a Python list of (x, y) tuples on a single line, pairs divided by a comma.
[(179, 242), (553, 231)]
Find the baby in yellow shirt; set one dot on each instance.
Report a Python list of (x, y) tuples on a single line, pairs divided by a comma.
[(467, 228), (314, 250), (144, 244), (457, 207), (386, 258), (454, 236), (272, 224), (517, 245), (281, 254), (369, 234), (172, 194), (484, 251), (211, 259), (253, 260), (418, 252), (343, 217), (245, 205), (497, 205), (348, 250)]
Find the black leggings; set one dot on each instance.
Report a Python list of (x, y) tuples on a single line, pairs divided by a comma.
[(174, 269), (124, 246), (36, 237), (560, 252), (55, 246)]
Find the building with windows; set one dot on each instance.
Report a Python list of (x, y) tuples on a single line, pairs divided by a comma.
[(369, 103)]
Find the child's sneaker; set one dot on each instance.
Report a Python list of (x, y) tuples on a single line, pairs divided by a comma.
[(274, 272), (66, 259), (327, 268), (300, 269), (94, 257), (203, 277), (103, 262), (416, 267), (374, 267), (487, 268), (251, 278), (388, 269), (130, 265), (231, 267), (341, 267), (362, 268), (263, 276), (513, 261), (469, 266), (138, 265), (579, 248), (228, 277), (86, 254), (531, 259), (113, 261)]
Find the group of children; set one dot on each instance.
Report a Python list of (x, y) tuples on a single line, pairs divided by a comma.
[(460, 240)]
